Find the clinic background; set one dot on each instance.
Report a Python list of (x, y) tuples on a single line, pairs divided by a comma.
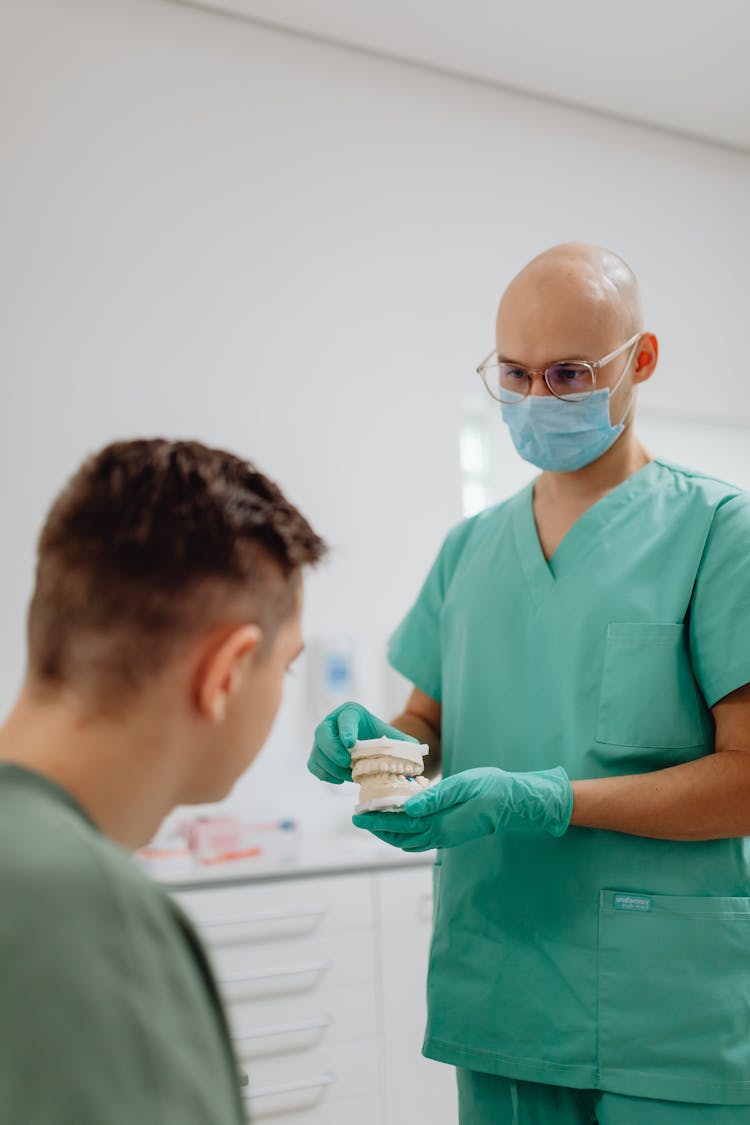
[(216, 229)]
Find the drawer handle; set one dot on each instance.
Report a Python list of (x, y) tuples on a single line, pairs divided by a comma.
[(326, 1079), (264, 916), (282, 971), (285, 1029)]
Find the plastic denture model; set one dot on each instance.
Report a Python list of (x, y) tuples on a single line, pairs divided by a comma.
[(388, 772)]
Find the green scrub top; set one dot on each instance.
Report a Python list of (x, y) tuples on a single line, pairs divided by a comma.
[(108, 1010), (598, 959)]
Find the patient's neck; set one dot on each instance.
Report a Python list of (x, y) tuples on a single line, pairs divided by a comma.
[(122, 769)]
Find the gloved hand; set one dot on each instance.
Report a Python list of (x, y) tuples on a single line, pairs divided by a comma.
[(476, 803), (334, 737)]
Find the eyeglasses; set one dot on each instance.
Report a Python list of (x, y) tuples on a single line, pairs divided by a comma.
[(569, 379)]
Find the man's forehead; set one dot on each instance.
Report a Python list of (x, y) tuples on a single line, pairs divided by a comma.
[(568, 303), (566, 281), (557, 326)]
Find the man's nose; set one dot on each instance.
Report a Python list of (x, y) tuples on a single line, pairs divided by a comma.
[(538, 385)]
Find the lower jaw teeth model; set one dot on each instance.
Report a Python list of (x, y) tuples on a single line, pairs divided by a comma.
[(388, 772)]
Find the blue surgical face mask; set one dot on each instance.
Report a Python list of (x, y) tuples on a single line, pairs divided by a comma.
[(561, 437)]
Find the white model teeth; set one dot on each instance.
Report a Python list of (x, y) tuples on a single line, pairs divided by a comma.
[(375, 783), (367, 766), (387, 773)]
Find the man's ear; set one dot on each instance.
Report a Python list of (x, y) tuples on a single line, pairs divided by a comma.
[(646, 357), (219, 672)]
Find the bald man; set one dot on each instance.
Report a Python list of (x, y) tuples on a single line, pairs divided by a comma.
[(580, 654)]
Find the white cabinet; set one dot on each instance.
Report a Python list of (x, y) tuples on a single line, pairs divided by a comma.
[(415, 1089), (324, 982), (295, 963)]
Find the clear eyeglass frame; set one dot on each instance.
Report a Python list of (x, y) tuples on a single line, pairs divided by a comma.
[(589, 366)]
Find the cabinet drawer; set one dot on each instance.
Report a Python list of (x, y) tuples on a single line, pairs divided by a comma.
[(280, 911), (288, 1024), (304, 966), (322, 1078)]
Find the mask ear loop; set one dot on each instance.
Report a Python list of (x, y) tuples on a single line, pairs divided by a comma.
[(627, 410), (612, 390)]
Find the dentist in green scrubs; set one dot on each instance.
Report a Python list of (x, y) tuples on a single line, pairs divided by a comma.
[(580, 656)]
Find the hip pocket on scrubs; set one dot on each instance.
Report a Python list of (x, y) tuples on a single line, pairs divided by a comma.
[(674, 996), (648, 695)]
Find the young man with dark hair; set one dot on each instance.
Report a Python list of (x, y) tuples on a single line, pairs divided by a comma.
[(165, 614)]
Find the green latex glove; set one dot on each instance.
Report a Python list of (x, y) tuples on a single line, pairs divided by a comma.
[(476, 803), (334, 737)]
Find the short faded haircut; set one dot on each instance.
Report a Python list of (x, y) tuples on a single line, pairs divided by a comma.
[(151, 542)]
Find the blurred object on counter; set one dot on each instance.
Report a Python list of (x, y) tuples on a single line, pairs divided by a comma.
[(215, 839), (202, 841)]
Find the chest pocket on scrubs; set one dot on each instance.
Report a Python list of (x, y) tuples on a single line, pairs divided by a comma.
[(648, 695)]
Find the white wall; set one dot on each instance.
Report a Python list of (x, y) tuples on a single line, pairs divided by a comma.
[(213, 230)]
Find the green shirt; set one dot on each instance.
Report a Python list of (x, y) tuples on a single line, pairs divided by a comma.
[(595, 960), (108, 1011)]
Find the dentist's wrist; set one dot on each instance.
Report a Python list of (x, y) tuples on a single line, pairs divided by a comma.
[(560, 819)]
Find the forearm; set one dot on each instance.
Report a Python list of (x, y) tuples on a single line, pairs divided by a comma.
[(420, 729), (707, 799)]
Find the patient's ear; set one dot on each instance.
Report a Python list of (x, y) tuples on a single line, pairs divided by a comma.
[(220, 670)]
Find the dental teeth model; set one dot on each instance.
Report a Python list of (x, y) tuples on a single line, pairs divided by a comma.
[(388, 772)]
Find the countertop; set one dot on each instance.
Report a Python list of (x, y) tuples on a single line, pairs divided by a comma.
[(316, 855)]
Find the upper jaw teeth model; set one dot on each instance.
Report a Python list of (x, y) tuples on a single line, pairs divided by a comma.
[(388, 772)]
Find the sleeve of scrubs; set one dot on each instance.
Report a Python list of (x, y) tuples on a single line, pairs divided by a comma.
[(720, 607), (414, 648)]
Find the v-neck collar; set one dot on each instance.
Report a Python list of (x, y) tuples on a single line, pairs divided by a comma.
[(540, 573)]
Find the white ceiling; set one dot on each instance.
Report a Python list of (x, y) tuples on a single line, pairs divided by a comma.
[(683, 65)]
